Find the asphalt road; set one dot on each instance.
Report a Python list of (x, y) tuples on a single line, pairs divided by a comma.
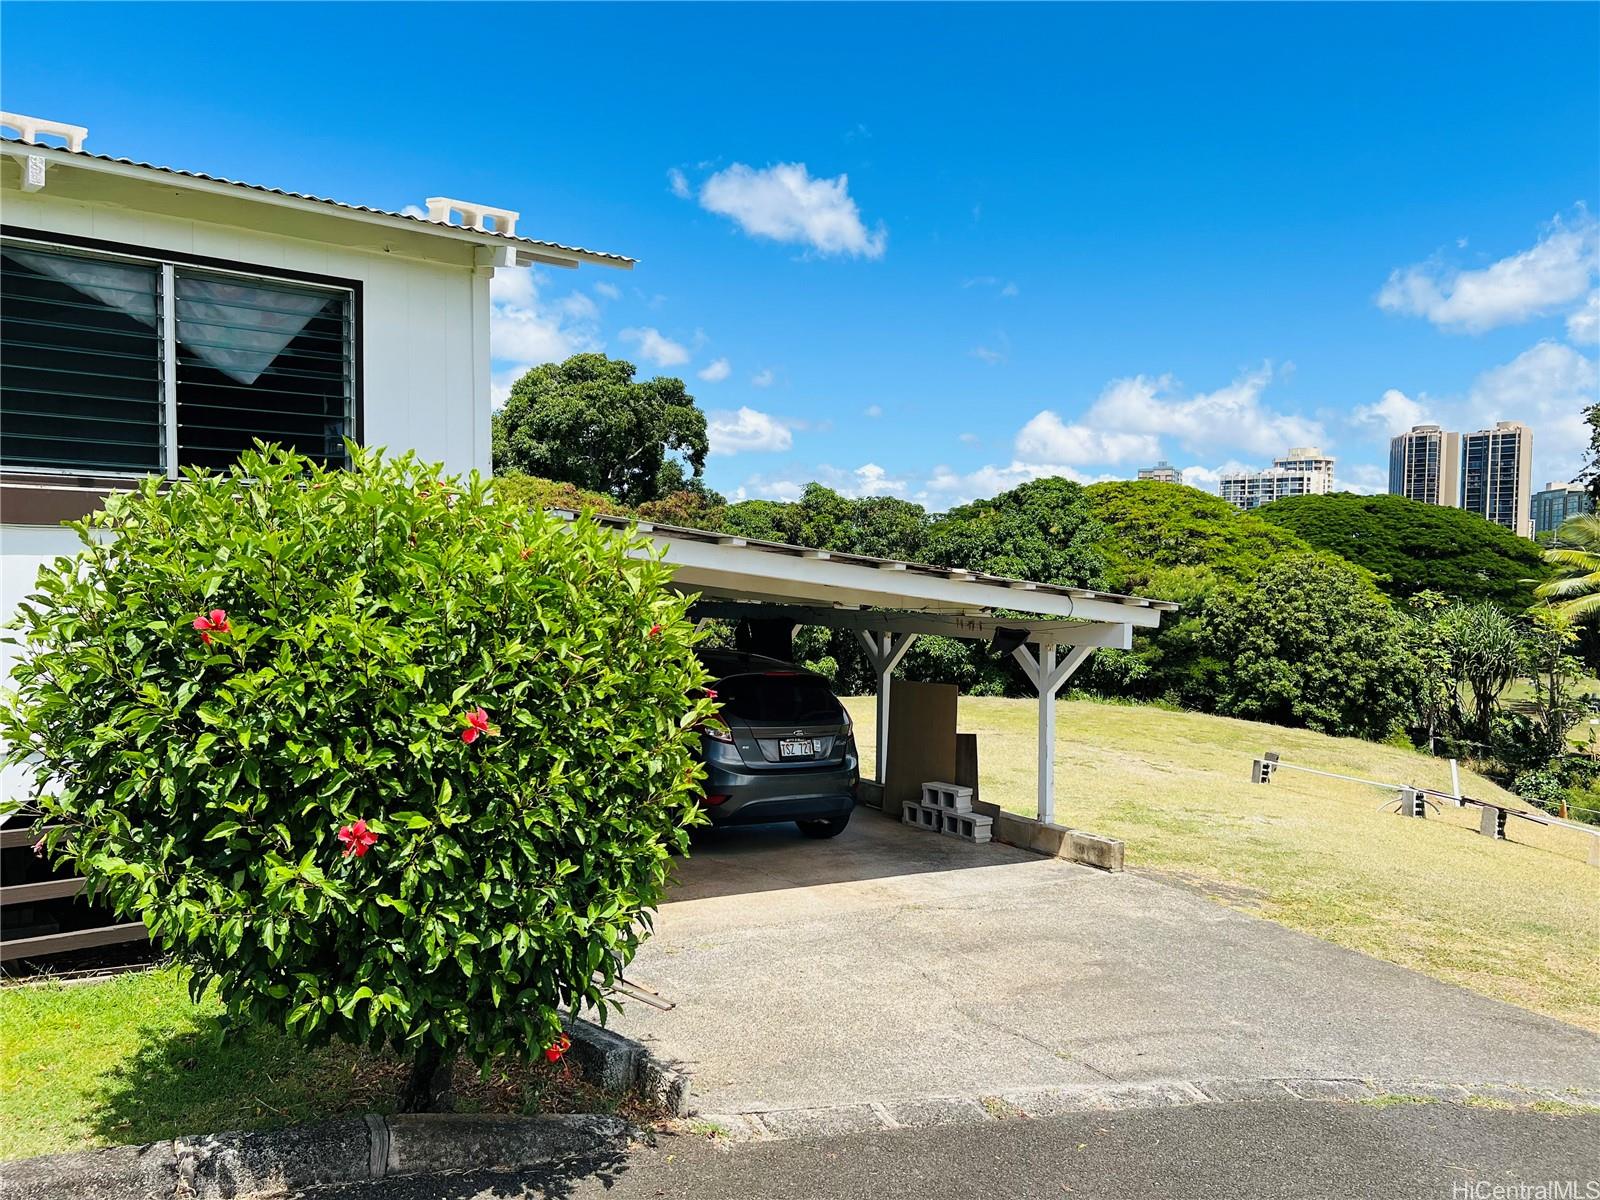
[(1229, 1151)]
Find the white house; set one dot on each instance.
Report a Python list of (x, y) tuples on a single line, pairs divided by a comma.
[(153, 318)]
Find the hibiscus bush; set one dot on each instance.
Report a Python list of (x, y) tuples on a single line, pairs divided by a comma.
[(384, 757)]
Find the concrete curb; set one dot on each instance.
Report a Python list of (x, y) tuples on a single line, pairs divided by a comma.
[(620, 1064), (1034, 1103), (350, 1150), (361, 1148)]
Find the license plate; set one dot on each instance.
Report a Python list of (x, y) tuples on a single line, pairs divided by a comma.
[(797, 748)]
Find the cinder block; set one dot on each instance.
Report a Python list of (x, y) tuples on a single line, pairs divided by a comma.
[(911, 814), (973, 827), (948, 796), (1102, 852), (929, 817)]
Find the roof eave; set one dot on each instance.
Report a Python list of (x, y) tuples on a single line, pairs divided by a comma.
[(526, 251)]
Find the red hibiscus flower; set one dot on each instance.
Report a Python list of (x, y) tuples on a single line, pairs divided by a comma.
[(557, 1048), (711, 693), (215, 621), (357, 839), (478, 726), (655, 631)]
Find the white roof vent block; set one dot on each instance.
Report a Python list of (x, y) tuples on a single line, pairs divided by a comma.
[(473, 216), (31, 129)]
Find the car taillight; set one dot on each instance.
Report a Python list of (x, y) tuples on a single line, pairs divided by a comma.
[(718, 732), (713, 801)]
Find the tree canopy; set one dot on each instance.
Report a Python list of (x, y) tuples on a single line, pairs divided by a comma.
[(882, 526), (1310, 642), (1154, 529), (1043, 530), (1413, 547), (587, 422)]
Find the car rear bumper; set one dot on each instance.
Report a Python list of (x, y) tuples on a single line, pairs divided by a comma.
[(755, 798)]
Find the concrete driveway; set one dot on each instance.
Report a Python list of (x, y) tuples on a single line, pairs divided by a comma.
[(890, 968)]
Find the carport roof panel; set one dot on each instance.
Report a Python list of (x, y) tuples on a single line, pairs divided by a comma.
[(728, 564)]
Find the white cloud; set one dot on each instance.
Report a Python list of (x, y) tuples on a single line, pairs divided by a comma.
[(872, 480), (763, 378), (783, 202), (747, 429), (1583, 324), (1556, 271), (762, 487), (1546, 387), (678, 182), (415, 210), (989, 355), (1010, 290), (609, 290), (525, 329), (1366, 479), (716, 371), (1394, 412), (971, 439), (945, 486), (656, 347), (872, 411), (1046, 438), (1545, 379), (1232, 416)]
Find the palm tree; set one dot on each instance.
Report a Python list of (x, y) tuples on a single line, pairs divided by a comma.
[(1575, 554)]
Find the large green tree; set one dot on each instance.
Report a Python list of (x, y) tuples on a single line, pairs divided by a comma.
[(1310, 642), (1158, 533), (589, 423), (1043, 530), (1175, 543), (881, 526), (1413, 547)]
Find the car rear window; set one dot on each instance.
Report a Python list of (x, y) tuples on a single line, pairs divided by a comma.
[(778, 699)]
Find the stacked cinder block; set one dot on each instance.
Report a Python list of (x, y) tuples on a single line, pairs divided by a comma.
[(947, 808)]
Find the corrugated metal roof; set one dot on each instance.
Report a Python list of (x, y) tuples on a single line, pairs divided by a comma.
[(428, 225), (655, 529)]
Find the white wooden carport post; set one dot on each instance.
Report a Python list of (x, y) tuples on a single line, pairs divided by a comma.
[(1047, 676), (884, 652)]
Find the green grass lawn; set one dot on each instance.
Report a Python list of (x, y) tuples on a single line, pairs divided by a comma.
[(131, 1059), (1517, 920)]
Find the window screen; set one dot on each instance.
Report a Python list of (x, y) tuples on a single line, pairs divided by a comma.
[(260, 360), (80, 385)]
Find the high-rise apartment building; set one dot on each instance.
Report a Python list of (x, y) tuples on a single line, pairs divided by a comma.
[(1304, 471), (1425, 465), (1496, 470), (1162, 472), (1556, 503)]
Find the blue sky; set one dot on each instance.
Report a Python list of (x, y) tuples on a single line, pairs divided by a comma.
[(936, 251)]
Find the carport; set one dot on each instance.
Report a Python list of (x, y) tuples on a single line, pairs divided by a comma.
[(1050, 630)]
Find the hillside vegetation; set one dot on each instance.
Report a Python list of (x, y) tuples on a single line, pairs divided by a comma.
[(1412, 547), (1517, 920)]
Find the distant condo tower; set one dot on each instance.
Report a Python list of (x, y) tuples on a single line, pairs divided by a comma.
[(1304, 471), (1496, 473), (1162, 472), (1425, 465), (1556, 503)]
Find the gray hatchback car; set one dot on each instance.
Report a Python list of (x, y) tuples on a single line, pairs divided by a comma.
[(784, 751)]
